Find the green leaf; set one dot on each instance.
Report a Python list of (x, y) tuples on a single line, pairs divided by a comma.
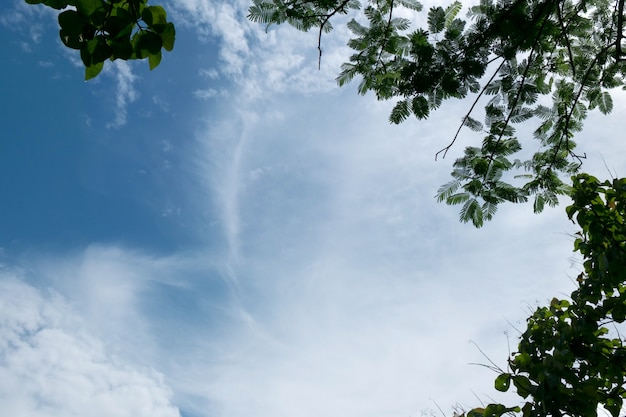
[(471, 210), (436, 19), (122, 49), (411, 4), (451, 12), (146, 43), (85, 55), (473, 124), (605, 103), (154, 15), (154, 60), (168, 36), (523, 385), (503, 382), (420, 108), (101, 50), (71, 23), (93, 70), (88, 7), (476, 412), (458, 198), (539, 203), (55, 4), (495, 410), (400, 112)]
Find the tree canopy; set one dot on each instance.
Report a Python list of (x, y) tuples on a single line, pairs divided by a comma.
[(571, 358), (547, 60)]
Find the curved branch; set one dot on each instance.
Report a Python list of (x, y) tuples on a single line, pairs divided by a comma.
[(467, 115)]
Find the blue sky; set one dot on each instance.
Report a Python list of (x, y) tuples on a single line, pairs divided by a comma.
[(233, 235)]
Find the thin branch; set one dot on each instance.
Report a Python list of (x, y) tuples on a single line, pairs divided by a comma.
[(386, 38), (620, 30), (569, 46), (478, 398), (494, 365), (324, 22), (447, 148), (437, 405), (568, 116), (518, 95), (482, 91)]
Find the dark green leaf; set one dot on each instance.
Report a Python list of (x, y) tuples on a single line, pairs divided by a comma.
[(168, 36), (503, 382), (71, 23), (88, 7), (436, 19), (419, 106)]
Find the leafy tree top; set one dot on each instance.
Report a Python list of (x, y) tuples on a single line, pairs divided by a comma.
[(571, 358), (547, 60)]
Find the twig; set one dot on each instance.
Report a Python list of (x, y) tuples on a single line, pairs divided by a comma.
[(482, 91), (324, 22)]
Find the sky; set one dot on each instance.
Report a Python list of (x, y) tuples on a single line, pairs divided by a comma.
[(234, 235)]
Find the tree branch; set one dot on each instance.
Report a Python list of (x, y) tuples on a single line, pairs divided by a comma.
[(482, 91), (324, 22)]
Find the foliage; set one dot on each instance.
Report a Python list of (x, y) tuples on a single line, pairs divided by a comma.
[(568, 361), (113, 29), (551, 60)]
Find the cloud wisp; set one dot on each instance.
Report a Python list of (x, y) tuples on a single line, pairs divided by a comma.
[(357, 292), (125, 92)]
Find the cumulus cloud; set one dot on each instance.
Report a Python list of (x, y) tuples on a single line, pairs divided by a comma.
[(51, 366)]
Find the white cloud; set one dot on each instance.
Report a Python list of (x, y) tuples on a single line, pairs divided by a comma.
[(30, 20), (161, 103), (210, 73), (358, 292), (125, 92), (50, 366), (209, 93), (282, 60)]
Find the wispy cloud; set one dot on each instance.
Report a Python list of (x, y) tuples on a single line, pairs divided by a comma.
[(285, 60), (209, 93), (125, 91), (358, 292), (30, 20)]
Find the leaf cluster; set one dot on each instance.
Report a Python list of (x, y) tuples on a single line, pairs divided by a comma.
[(113, 29), (567, 361)]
